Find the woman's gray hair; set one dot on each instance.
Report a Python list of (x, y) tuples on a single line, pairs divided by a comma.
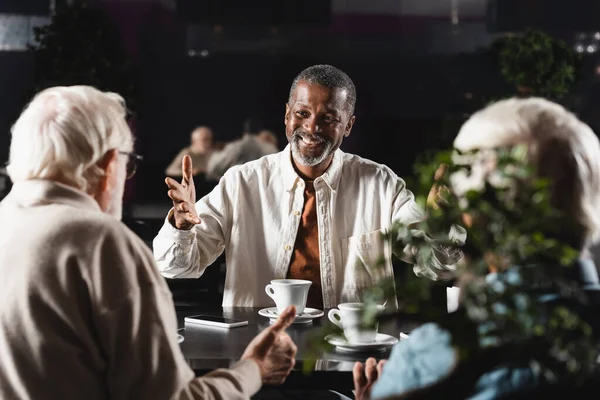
[(63, 133), (560, 147)]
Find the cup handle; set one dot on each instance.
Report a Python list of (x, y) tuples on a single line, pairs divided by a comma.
[(270, 291), (335, 317)]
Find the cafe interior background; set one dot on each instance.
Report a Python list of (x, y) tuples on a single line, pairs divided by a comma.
[(420, 68)]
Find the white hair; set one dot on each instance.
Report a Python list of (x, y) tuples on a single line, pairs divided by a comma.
[(63, 133), (560, 148)]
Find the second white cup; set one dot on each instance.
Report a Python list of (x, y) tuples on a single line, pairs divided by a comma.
[(287, 292), (348, 316)]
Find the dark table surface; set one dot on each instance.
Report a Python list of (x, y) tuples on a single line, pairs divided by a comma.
[(207, 348)]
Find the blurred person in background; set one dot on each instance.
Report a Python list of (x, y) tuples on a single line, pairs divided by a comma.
[(268, 136), (85, 313), (200, 151), (253, 144)]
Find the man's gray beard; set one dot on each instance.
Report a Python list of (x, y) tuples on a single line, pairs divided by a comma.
[(306, 160)]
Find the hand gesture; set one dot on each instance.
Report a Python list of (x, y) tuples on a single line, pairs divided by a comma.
[(273, 350), (184, 197), (438, 191), (365, 377)]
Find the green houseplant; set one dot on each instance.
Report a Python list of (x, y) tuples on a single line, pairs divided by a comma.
[(535, 63), (509, 221), (529, 63)]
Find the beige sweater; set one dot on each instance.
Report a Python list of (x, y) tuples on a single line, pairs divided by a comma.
[(84, 313)]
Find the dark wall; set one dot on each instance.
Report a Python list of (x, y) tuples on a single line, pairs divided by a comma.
[(16, 81), (27, 7), (393, 122), (403, 99), (401, 107)]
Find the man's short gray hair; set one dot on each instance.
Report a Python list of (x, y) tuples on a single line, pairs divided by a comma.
[(561, 148), (63, 133), (330, 77)]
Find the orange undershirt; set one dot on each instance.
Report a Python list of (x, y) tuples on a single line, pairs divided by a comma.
[(305, 262)]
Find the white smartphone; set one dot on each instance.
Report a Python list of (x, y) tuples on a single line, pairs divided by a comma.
[(212, 320)]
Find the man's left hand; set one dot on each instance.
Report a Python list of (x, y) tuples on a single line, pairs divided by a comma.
[(438, 192)]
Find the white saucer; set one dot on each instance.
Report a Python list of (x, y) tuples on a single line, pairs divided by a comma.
[(382, 342), (305, 318)]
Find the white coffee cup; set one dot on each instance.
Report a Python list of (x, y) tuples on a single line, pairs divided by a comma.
[(287, 292), (349, 316)]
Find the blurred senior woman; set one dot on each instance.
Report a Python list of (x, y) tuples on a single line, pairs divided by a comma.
[(559, 147)]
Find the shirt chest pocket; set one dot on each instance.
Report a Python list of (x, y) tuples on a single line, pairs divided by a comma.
[(366, 259)]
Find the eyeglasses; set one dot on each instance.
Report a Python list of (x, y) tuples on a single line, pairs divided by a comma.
[(132, 162)]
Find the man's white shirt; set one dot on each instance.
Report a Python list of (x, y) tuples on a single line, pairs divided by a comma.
[(253, 214)]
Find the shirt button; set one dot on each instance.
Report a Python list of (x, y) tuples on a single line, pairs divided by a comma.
[(296, 212), (288, 247)]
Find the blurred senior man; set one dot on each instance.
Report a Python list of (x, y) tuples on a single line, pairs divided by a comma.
[(85, 313)]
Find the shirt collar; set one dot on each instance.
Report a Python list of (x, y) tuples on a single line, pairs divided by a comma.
[(291, 178), (44, 192)]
